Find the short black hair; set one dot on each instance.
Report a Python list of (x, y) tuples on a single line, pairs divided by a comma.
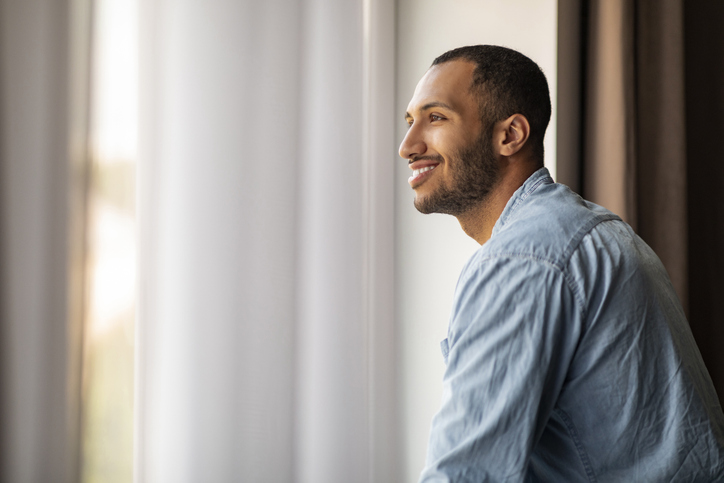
[(506, 83)]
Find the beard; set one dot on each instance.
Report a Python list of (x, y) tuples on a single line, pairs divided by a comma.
[(475, 173)]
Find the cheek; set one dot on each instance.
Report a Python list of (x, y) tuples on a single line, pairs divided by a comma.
[(449, 142), (442, 149)]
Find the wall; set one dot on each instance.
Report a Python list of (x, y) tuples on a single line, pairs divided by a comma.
[(430, 250)]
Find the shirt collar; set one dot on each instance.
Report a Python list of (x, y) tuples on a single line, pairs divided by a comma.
[(531, 184)]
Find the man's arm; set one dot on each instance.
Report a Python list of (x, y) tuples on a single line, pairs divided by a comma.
[(513, 332)]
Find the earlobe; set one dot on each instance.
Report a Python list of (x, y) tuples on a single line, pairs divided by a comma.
[(516, 131)]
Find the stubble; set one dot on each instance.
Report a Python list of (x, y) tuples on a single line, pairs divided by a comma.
[(474, 174)]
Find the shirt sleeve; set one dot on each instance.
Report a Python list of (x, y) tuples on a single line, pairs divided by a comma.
[(512, 335)]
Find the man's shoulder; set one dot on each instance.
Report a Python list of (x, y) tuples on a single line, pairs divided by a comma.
[(546, 224), (536, 238)]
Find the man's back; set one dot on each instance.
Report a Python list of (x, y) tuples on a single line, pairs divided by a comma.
[(569, 357)]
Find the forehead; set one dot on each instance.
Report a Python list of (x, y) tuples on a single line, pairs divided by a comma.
[(448, 83)]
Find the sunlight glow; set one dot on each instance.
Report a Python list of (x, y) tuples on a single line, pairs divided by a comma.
[(108, 358)]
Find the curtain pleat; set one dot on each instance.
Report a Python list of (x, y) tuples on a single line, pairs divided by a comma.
[(42, 141), (609, 140), (660, 161), (263, 245)]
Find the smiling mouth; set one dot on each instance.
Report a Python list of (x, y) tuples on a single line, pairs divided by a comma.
[(418, 174)]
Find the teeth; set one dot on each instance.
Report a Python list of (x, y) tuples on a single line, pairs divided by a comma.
[(417, 172)]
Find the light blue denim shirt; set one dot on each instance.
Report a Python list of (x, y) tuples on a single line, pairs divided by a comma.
[(569, 357)]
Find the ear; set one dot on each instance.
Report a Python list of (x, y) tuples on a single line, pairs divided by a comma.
[(512, 134)]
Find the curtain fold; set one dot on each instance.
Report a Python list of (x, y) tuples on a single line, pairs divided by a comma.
[(661, 178), (631, 138), (43, 67), (265, 242), (609, 112)]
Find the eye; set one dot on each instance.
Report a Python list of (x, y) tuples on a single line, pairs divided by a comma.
[(436, 117)]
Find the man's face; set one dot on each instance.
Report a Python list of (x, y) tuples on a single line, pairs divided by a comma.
[(449, 150)]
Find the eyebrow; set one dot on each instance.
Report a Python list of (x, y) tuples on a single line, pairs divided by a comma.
[(431, 105)]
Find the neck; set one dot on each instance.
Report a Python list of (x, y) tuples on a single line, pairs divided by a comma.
[(478, 222)]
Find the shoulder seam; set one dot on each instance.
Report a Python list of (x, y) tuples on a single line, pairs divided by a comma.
[(575, 240)]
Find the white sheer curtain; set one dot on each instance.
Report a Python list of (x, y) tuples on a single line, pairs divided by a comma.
[(265, 331)]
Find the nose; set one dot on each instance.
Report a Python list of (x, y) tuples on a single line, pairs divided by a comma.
[(413, 145)]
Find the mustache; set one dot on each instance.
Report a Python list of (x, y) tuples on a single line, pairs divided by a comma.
[(437, 158)]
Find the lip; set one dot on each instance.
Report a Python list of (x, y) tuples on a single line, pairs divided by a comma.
[(417, 179)]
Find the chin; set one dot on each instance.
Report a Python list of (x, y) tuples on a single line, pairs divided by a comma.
[(425, 210), (449, 202), (428, 206), (423, 205)]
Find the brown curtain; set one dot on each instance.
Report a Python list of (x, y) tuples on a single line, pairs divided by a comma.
[(640, 123)]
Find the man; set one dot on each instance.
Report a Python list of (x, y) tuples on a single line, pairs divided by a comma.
[(568, 355)]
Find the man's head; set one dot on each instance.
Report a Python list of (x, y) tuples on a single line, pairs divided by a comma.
[(506, 82), (463, 98)]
